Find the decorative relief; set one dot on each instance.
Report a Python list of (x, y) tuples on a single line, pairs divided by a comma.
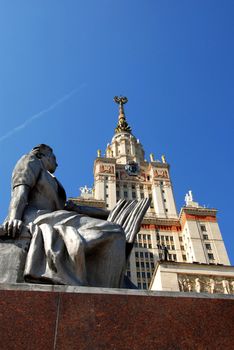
[(160, 173), (206, 284), (106, 169), (125, 176)]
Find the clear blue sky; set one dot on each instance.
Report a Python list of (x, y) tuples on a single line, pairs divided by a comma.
[(172, 59)]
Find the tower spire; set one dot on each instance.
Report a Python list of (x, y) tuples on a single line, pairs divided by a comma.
[(122, 122)]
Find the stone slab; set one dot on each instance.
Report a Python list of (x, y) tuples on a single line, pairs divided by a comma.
[(63, 317)]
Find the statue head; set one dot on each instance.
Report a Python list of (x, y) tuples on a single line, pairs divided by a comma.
[(46, 155)]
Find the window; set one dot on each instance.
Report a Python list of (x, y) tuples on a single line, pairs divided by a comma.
[(137, 264), (141, 254), (141, 187), (182, 247), (148, 236), (142, 195), (184, 257), (145, 245), (150, 245), (173, 247), (136, 254), (147, 264), (165, 200), (133, 187), (117, 175), (139, 285), (148, 177), (143, 274), (142, 264), (148, 275), (208, 246), (167, 238), (144, 286), (117, 193), (168, 247), (106, 186), (125, 185), (211, 256), (125, 194), (174, 257), (163, 191), (162, 238), (152, 265), (161, 182), (133, 195), (138, 275), (107, 195), (106, 178), (140, 245), (171, 238), (107, 205), (166, 210), (203, 228), (205, 236), (180, 239), (144, 236), (146, 254), (151, 255)]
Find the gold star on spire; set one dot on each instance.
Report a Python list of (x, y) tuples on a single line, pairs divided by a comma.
[(122, 125)]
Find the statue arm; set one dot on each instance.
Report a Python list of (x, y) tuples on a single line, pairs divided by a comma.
[(19, 199), (93, 212)]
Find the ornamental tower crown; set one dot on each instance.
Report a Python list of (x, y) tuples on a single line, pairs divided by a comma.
[(124, 146)]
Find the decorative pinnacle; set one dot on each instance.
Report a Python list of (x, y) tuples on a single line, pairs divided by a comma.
[(122, 122)]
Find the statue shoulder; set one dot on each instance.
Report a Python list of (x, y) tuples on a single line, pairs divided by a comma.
[(26, 171), (27, 159)]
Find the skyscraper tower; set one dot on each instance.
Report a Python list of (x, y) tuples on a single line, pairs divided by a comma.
[(122, 172)]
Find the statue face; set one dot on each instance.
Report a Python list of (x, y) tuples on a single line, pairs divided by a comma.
[(49, 161)]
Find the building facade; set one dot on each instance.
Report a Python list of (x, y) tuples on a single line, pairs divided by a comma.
[(192, 236)]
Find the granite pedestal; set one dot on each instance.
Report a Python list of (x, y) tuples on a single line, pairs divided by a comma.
[(58, 317)]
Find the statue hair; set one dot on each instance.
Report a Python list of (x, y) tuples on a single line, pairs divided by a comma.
[(41, 149)]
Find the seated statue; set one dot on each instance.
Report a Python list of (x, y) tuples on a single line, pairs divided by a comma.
[(68, 244)]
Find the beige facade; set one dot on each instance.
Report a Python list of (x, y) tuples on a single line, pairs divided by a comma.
[(187, 277), (123, 172)]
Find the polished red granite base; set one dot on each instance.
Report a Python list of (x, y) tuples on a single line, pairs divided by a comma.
[(102, 320)]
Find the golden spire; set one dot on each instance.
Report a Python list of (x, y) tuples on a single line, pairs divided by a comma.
[(122, 122)]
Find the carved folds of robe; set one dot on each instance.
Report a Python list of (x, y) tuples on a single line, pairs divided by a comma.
[(66, 247)]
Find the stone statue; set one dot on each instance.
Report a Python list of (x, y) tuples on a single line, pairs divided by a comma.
[(232, 285), (189, 285), (211, 285), (197, 285), (188, 198), (165, 252), (66, 243), (226, 288)]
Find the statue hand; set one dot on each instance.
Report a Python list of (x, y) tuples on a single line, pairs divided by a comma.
[(12, 227)]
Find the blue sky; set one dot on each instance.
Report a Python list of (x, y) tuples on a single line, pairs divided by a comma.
[(62, 62)]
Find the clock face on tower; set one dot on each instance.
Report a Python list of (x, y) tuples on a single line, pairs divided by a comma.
[(132, 168)]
